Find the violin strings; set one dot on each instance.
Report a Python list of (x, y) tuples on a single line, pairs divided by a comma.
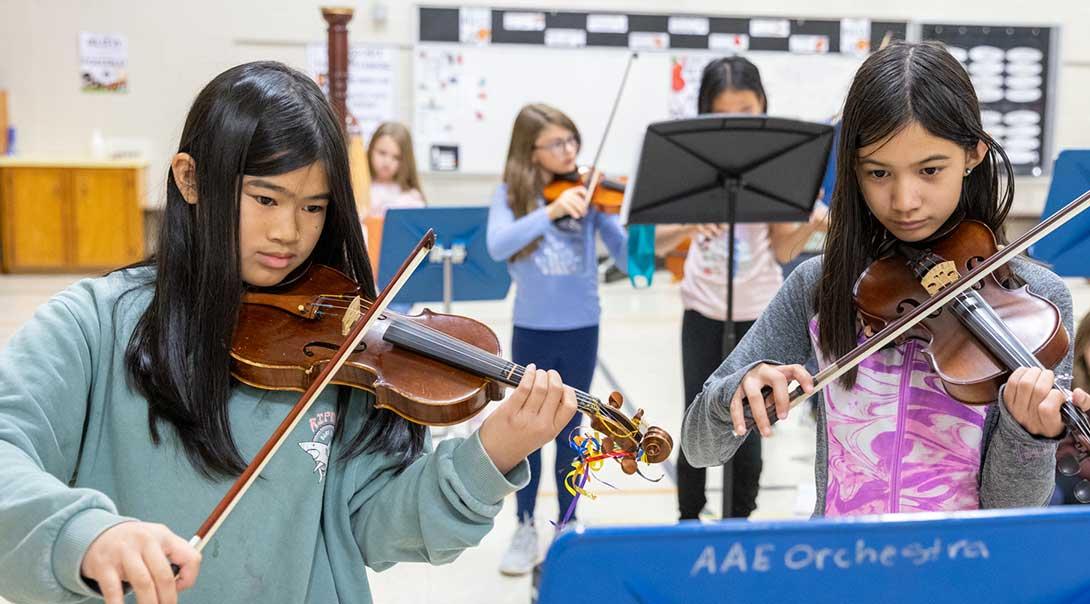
[(451, 344), (1078, 420)]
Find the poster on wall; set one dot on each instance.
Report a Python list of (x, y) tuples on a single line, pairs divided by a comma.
[(103, 62), (1012, 70), (443, 97), (372, 82)]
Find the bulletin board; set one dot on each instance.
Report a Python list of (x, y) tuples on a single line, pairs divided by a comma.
[(475, 67)]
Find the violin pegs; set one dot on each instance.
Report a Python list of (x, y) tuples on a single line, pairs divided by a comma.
[(628, 465), (616, 400), (607, 444), (1082, 491)]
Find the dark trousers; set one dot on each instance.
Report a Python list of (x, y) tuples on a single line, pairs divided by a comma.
[(573, 353), (701, 355)]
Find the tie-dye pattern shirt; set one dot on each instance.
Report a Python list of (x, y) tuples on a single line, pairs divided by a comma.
[(896, 442)]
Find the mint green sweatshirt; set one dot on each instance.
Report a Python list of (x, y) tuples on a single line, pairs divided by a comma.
[(302, 533)]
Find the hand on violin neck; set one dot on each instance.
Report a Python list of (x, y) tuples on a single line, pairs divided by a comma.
[(572, 202), (762, 387), (533, 415), (1034, 402)]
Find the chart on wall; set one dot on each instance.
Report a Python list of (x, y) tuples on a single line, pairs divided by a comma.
[(372, 82), (1013, 71)]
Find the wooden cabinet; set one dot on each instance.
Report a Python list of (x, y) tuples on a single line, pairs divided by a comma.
[(81, 217)]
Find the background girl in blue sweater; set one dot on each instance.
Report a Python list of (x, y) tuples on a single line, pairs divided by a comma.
[(551, 254)]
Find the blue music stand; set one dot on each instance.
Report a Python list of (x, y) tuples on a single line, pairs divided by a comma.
[(459, 267), (1025, 555), (1067, 248)]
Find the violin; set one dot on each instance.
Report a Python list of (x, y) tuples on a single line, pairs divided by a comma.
[(606, 197), (961, 339), (977, 352), (674, 261), (317, 329), (976, 330), (431, 368)]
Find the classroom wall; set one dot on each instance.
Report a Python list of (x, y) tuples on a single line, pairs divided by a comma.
[(175, 48)]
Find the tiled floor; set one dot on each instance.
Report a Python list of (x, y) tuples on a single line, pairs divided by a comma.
[(640, 342)]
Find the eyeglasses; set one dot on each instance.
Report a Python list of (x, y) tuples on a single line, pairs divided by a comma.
[(559, 146)]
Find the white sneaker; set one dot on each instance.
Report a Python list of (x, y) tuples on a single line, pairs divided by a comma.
[(522, 554)]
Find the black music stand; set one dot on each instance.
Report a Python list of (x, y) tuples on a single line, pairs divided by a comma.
[(728, 169)]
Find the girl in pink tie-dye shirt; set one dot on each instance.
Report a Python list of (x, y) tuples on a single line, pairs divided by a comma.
[(913, 160)]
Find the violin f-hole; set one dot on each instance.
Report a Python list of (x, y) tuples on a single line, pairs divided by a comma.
[(906, 306), (326, 345)]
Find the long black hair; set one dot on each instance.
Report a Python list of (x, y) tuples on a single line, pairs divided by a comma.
[(899, 85), (729, 73), (258, 119)]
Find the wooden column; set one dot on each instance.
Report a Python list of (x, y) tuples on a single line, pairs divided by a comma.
[(338, 19)]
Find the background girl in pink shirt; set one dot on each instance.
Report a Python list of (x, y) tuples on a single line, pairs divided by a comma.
[(729, 85)]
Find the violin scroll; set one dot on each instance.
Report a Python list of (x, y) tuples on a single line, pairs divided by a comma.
[(655, 443)]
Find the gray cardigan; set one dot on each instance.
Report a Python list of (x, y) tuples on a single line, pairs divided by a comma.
[(1017, 468)]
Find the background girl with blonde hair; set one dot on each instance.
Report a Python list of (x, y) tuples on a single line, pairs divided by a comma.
[(394, 180), (554, 266)]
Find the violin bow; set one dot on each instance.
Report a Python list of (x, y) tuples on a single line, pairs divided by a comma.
[(352, 339), (897, 328), (593, 184)]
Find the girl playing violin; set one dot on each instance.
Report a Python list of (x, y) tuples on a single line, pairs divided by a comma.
[(728, 85), (912, 160), (556, 277), (121, 427)]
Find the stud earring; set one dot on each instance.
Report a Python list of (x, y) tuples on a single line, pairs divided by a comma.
[(968, 171)]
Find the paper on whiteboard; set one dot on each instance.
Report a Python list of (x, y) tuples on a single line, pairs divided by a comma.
[(565, 38), (516, 21), (648, 40), (475, 26), (607, 24), (728, 42), (807, 44), (440, 98), (769, 28), (691, 26), (855, 36), (372, 82)]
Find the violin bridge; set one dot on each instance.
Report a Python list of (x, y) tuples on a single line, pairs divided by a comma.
[(940, 276), (351, 315)]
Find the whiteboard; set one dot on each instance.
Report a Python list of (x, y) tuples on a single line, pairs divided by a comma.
[(466, 97)]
